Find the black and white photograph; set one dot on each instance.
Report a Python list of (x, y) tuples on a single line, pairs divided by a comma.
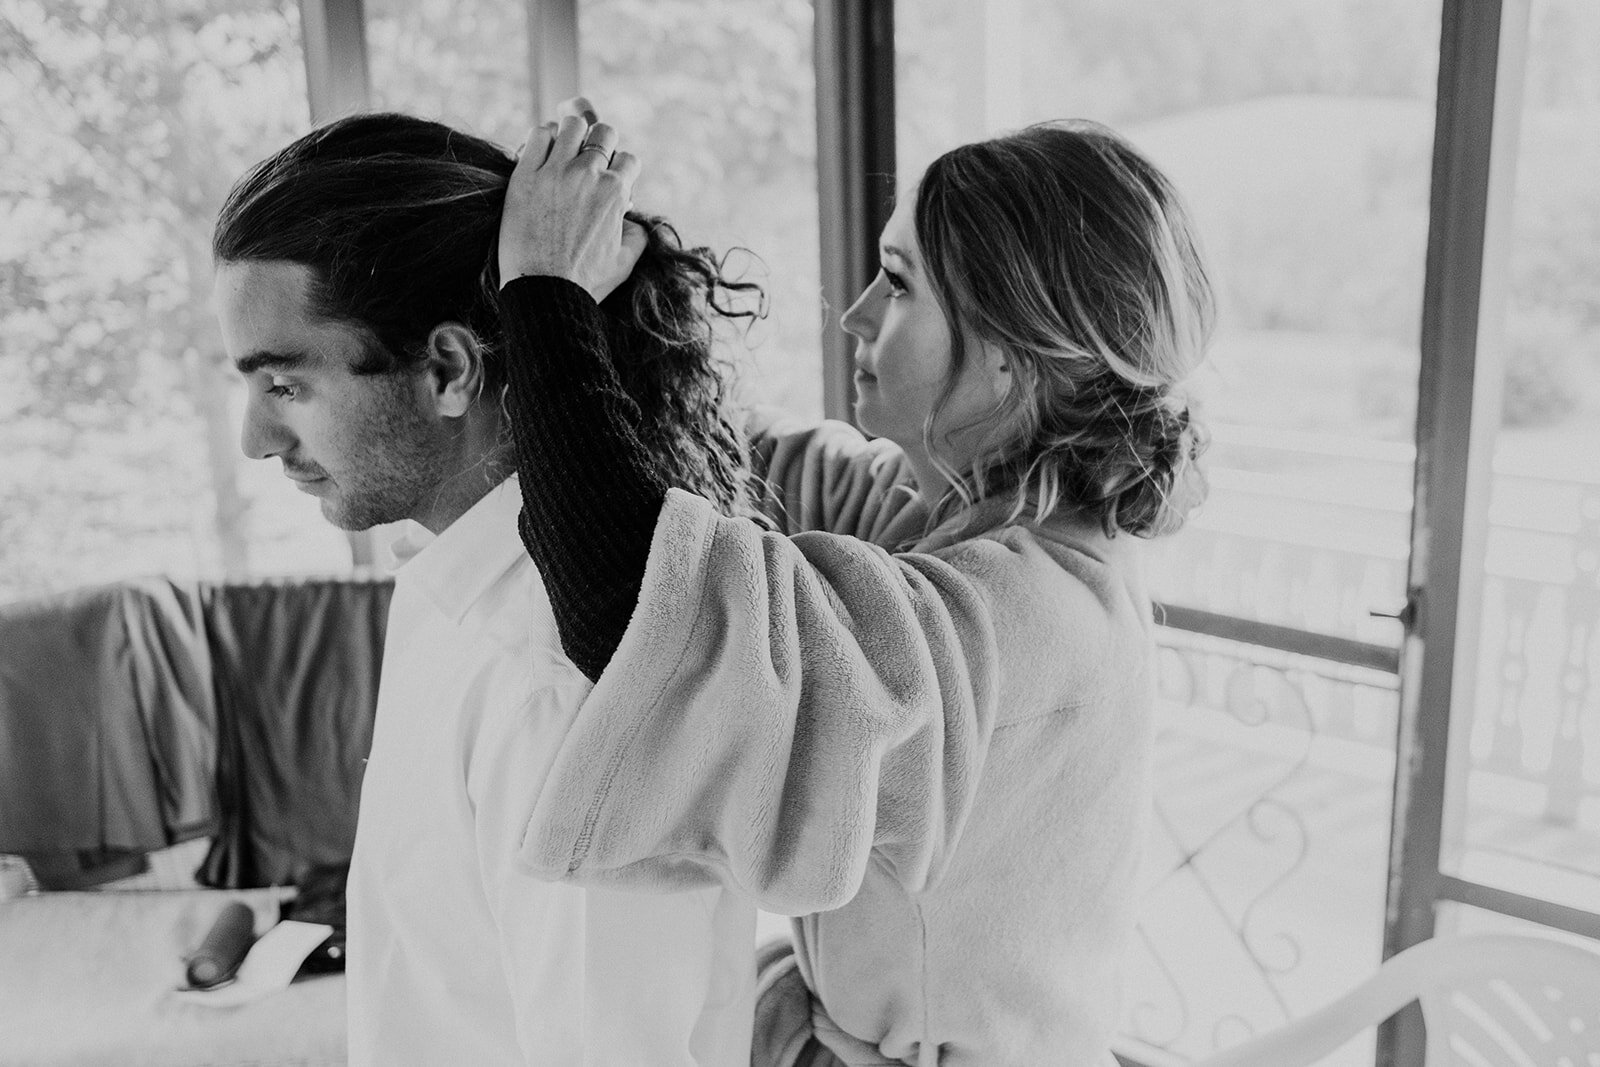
[(800, 533)]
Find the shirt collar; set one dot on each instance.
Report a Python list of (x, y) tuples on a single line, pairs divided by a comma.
[(459, 564)]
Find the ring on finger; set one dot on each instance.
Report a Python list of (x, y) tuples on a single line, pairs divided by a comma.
[(594, 146)]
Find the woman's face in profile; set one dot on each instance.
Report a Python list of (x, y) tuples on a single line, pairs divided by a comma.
[(903, 354)]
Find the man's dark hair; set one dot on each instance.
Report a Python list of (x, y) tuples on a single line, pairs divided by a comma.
[(397, 218)]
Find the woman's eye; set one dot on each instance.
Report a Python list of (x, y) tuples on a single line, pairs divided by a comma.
[(896, 285)]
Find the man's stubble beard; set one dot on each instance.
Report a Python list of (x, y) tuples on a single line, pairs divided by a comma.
[(403, 465)]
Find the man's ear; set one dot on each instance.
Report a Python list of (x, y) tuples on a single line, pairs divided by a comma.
[(455, 368)]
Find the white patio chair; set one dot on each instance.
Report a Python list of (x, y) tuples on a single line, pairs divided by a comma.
[(1489, 1000)]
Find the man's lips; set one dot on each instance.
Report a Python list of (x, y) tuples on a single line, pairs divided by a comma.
[(307, 483)]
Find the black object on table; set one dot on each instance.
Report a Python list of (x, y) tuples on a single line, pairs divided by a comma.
[(219, 955)]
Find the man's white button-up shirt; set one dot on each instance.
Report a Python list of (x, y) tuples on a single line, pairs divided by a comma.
[(456, 956)]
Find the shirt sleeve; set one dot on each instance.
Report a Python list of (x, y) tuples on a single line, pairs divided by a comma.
[(651, 964), (591, 491), (508, 761)]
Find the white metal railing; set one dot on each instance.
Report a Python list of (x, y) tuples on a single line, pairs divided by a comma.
[(1317, 559)]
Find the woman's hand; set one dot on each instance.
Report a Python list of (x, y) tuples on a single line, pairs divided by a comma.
[(564, 209)]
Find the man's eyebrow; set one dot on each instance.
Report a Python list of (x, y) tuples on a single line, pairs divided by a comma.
[(270, 361)]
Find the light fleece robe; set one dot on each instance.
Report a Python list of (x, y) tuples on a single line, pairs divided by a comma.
[(937, 759)]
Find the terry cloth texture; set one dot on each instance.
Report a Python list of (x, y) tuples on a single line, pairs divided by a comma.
[(937, 758)]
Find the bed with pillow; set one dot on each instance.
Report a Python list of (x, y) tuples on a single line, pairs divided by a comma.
[(166, 748)]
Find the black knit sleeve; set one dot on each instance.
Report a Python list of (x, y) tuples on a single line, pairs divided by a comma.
[(591, 492)]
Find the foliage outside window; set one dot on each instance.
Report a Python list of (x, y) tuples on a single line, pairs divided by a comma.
[(125, 124), (461, 62), (717, 99)]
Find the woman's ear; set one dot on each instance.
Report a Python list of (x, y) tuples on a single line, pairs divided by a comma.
[(996, 368), (455, 368)]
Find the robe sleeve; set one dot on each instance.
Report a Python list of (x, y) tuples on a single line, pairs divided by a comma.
[(782, 710), (826, 476)]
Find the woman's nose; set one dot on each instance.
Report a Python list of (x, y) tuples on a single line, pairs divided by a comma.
[(861, 318)]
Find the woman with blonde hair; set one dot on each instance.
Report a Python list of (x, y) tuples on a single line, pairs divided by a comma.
[(917, 713)]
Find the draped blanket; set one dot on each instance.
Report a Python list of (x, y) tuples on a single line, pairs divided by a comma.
[(107, 726), (137, 715)]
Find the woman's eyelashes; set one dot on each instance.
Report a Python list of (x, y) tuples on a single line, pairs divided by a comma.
[(897, 285)]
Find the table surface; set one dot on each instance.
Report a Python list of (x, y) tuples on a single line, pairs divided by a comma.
[(87, 979)]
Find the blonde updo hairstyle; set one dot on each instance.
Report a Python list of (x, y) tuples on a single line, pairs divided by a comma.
[(1072, 253)]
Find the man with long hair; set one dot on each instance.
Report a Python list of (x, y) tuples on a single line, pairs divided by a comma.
[(357, 290)]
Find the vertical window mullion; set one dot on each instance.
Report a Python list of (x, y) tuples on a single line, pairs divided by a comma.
[(335, 36), (855, 167), (334, 39), (1482, 47), (552, 55)]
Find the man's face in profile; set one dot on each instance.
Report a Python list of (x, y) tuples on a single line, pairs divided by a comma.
[(368, 446)]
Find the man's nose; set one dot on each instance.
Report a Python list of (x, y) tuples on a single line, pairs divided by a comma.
[(861, 318), (263, 434)]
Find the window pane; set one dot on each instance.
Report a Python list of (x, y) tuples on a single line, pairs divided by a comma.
[(717, 98), (1265, 866), (1301, 134), (1532, 818), (461, 62), (124, 127)]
